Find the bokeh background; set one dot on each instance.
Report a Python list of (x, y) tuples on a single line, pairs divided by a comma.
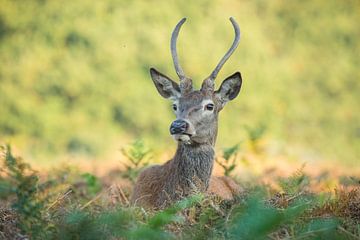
[(74, 75)]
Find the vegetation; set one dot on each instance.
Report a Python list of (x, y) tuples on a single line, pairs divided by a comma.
[(58, 209), (228, 161), (138, 157), (75, 85), (74, 77)]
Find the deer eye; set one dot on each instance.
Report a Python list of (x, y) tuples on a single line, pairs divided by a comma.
[(209, 107), (174, 107)]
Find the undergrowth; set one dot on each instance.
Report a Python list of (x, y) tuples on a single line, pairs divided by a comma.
[(137, 155), (56, 207)]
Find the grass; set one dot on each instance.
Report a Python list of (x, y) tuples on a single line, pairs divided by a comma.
[(64, 205)]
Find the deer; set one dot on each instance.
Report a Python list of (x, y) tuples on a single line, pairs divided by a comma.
[(195, 130)]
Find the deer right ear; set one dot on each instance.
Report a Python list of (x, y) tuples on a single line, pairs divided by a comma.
[(165, 86), (229, 88)]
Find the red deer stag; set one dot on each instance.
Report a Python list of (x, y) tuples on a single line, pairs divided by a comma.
[(195, 129)]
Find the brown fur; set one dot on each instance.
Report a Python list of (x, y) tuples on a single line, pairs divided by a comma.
[(188, 172), (195, 129), (149, 189), (224, 187)]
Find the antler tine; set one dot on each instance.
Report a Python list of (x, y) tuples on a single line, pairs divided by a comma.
[(174, 36), (229, 52)]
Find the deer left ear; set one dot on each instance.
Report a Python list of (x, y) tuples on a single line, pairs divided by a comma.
[(229, 88), (165, 86)]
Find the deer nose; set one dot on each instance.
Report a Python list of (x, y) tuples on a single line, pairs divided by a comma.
[(179, 126)]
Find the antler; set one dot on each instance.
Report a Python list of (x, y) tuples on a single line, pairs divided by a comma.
[(185, 82), (209, 82)]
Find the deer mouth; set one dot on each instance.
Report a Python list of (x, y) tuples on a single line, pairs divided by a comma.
[(184, 137)]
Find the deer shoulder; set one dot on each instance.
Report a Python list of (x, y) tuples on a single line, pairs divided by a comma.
[(224, 187)]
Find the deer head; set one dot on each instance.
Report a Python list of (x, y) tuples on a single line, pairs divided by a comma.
[(197, 110)]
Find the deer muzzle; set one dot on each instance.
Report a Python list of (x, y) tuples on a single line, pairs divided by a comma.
[(179, 126)]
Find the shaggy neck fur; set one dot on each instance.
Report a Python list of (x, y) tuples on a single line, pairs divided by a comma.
[(190, 170)]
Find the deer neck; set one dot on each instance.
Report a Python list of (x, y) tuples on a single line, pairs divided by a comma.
[(191, 167)]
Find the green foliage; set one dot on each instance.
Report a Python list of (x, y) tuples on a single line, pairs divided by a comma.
[(137, 156), (255, 220), (29, 203), (87, 225), (5, 188), (121, 223), (80, 87), (93, 184), (255, 134), (321, 229), (295, 183), (350, 181), (154, 227), (289, 215), (229, 159)]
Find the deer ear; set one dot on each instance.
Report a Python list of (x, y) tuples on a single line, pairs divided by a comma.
[(229, 88), (165, 86)]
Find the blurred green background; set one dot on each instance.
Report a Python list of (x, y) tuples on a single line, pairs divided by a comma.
[(74, 74)]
